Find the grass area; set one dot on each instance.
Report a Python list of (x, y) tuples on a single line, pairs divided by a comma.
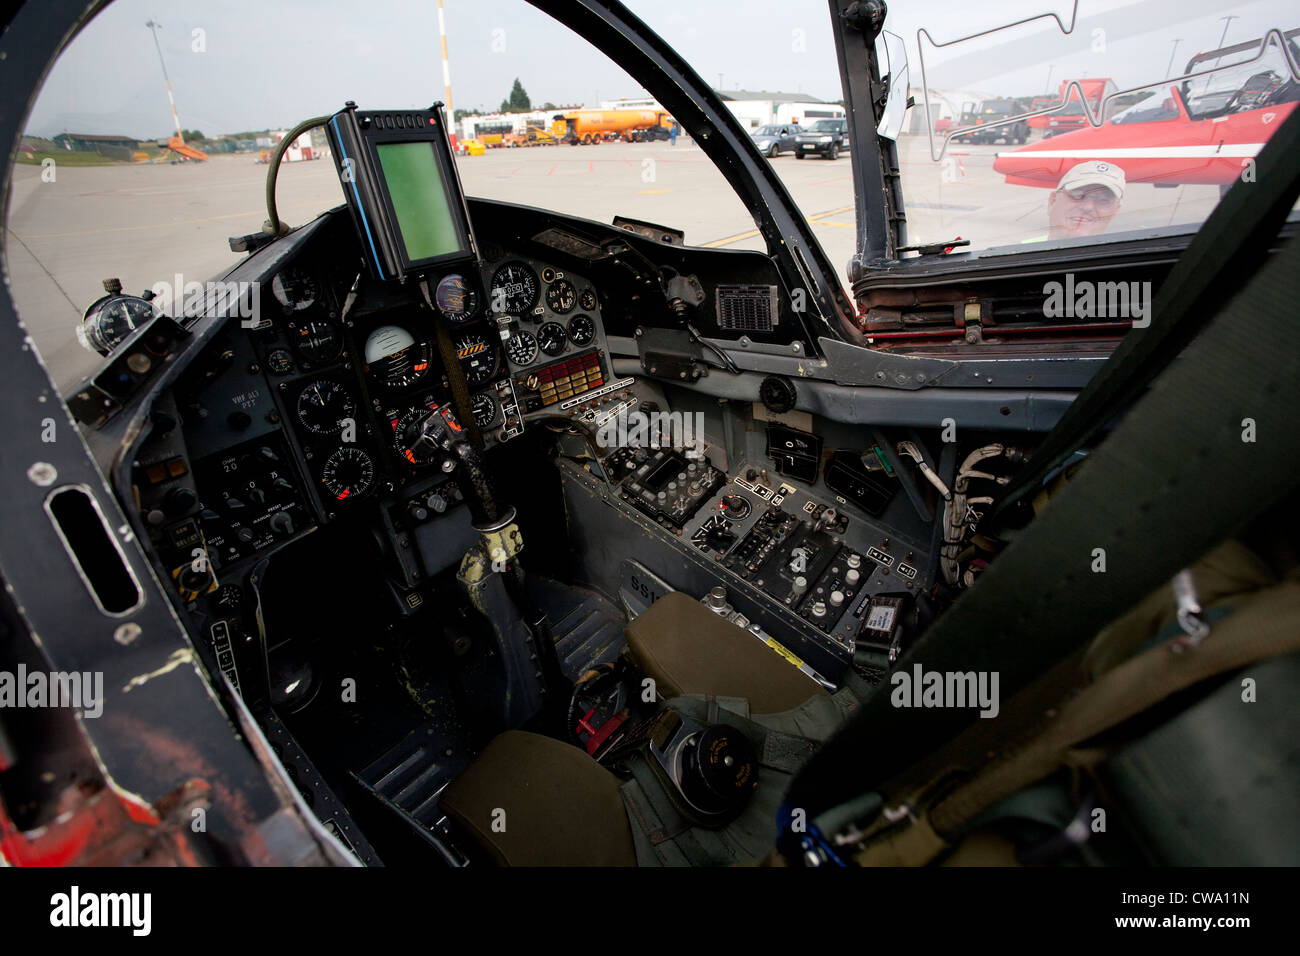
[(65, 157)]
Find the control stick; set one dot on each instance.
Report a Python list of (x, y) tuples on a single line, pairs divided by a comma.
[(439, 431), (491, 575)]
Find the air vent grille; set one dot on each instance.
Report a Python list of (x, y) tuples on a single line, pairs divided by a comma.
[(747, 308)]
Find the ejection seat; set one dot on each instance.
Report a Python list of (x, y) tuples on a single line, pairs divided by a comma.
[(530, 800), (687, 649)]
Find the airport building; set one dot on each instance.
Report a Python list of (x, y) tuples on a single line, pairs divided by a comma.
[(759, 108), (90, 143)]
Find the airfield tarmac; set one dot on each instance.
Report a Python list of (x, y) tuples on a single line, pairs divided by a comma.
[(146, 223)]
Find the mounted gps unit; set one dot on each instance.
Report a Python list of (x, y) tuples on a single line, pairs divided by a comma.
[(402, 188)]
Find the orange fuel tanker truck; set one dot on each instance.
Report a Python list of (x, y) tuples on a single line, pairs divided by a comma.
[(592, 126)]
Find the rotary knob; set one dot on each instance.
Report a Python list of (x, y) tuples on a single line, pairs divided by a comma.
[(735, 506)]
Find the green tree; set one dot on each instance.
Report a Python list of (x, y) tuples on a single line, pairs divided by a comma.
[(192, 135), (518, 101)]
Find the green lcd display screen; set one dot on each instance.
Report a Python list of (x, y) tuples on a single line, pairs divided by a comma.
[(419, 197)]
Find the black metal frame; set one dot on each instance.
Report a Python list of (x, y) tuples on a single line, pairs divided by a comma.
[(881, 223), (654, 64), (162, 725), (882, 219)]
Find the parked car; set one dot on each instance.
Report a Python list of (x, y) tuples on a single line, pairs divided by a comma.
[(987, 113), (826, 137), (772, 140)]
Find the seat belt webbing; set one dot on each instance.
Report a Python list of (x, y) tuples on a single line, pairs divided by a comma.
[(1174, 479)]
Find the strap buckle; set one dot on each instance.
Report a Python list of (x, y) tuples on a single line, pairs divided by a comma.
[(1195, 629)]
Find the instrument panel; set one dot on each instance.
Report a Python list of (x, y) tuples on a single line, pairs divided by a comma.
[(313, 410), (551, 333), (355, 368)]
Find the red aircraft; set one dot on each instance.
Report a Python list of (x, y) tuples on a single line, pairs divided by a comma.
[(1172, 136), (1071, 117)]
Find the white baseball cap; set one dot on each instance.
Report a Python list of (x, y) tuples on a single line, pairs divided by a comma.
[(1094, 173)]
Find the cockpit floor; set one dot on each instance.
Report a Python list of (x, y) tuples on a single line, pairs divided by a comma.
[(587, 627)]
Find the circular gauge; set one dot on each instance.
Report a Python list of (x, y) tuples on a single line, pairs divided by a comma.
[(394, 356), (587, 299), (406, 438), (551, 338), (456, 299), (522, 348), (582, 331), (484, 407), (477, 358), (514, 288), (316, 340), (111, 319), (280, 362), (348, 473), (324, 407), (560, 297), (295, 289)]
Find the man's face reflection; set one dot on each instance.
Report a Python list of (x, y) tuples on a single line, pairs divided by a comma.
[(1081, 211)]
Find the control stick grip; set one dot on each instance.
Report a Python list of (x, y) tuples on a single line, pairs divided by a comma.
[(441, 430)]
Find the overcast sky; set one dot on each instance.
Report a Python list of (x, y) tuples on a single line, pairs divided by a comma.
[(257, 64)]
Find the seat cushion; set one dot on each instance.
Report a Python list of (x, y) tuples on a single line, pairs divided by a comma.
[(560, 807), (688, 649)]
